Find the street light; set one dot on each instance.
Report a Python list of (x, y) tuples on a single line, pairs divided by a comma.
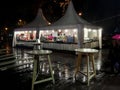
[(21, 22), (80, 14), (6, 28)]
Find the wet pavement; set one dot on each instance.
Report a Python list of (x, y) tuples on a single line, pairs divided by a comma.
[(63, 63)]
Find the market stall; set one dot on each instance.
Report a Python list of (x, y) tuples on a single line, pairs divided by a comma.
[(24, 37), (70, 32), (28, 34)]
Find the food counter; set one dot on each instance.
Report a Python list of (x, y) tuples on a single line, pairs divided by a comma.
[(28, 43), (69, 46), (60, 46)]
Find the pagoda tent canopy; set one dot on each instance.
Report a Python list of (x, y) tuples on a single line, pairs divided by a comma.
[(71, 20), (39, 21)]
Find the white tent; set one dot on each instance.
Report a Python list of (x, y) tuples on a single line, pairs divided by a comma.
[(72, 21), (32, 27)]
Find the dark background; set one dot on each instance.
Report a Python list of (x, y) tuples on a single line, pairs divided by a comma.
[(104, 13)]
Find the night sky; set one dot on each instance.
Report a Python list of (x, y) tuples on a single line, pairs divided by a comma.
[(99, 12), (11, 10)]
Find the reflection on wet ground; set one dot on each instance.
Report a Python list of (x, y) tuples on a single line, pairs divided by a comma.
[(63, 63)]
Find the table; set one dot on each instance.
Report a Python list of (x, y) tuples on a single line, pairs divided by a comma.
[(37, 54), (90, 58), (37, 46)]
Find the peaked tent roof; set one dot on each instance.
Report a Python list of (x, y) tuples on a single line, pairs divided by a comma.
[(70, 17), (39, 21)]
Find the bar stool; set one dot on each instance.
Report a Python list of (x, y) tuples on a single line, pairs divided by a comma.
[(36, 66), (89, 53)]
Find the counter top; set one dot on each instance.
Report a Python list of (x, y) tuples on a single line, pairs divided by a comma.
[(39, 52), (86, 50)]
